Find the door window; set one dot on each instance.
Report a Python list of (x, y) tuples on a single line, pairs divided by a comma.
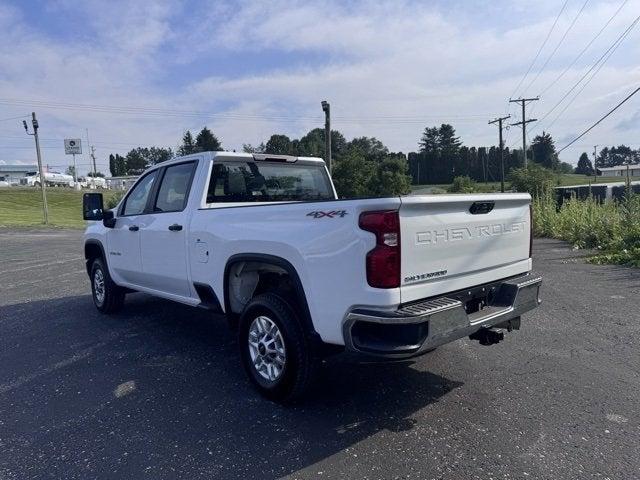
[(136, 201), (174, 189)]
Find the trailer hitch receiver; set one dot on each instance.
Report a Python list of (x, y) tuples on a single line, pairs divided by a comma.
[(487, 336)]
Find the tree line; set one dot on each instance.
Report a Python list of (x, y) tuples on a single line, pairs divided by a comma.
[(443, 157), (608, 157), (364, 166), (139, 159)]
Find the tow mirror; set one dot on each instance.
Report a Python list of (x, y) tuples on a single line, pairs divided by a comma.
[(92, 206)]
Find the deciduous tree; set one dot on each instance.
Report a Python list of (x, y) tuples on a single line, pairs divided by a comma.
[(279, 145)]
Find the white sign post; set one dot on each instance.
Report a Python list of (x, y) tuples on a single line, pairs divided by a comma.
[(73, 146)]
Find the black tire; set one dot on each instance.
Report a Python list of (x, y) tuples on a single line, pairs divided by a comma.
[(300, 362), (107, 296)]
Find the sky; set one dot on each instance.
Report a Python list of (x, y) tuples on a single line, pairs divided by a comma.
[(142, 73)]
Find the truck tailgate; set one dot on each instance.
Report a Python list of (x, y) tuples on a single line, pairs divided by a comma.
[(452, 242)]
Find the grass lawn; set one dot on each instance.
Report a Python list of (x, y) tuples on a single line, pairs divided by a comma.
[(23, 207), (573, 179)]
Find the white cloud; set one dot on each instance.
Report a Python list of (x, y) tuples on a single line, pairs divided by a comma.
[(389, 70)]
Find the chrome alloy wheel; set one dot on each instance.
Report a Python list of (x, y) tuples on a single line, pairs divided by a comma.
[(98, 286), (266, 348)]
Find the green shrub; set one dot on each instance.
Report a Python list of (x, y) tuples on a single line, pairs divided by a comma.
[(585, 223), (611, 227), (354, 176), (113, 199), (463, 184), (390, 178), (534, 179)]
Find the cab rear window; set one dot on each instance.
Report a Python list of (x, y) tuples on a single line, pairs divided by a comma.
[(267, 182)]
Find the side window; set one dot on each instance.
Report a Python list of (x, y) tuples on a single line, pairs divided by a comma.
[(137, 199), (267, 182), (173, 191)]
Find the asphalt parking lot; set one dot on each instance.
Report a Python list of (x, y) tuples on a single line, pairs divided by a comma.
[(157, 391)]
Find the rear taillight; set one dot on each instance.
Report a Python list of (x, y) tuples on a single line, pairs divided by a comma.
[(383, 262), (530, 230)]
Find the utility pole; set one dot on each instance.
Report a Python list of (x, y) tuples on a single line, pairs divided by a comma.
[(34, 123), (499, 121), (86, 152), (523, 102), (75, 173), (326, 108), (93, 157), (595, 159)]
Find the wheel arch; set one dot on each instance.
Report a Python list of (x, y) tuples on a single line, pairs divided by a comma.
[(94, 249), (280, 263)]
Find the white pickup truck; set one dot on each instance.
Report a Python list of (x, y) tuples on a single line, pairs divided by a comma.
[(300, 273)]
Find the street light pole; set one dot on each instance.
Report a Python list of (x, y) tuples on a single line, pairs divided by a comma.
[(326, 108), (34, 122)]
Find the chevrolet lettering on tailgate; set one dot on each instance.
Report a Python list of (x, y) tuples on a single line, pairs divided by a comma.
[(467, 233)]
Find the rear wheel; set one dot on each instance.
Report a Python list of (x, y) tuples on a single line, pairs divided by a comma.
[(275, 352), (107, 296)]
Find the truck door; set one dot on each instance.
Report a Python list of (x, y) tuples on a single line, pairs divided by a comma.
[(123, 240), (164, 236)]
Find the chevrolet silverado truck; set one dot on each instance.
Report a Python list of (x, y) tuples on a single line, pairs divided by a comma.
[(300, 273)]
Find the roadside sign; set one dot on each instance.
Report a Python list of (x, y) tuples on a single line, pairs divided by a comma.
[(72, 146)]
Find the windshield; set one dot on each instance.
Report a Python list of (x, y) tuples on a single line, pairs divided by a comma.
[(267, 182)]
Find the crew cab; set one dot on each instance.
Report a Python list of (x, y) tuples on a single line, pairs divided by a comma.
[(300, 273)]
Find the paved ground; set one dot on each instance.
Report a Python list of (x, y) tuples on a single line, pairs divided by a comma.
[(157, 392)]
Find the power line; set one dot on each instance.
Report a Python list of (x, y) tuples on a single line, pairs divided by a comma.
[(612, 46), (584, 85), (573, 22), (152, 111), (598, 122), (14, 118), (60, 140), (584, 49), (540, 49)]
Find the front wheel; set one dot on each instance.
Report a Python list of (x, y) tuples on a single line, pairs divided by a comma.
[(275, 352), (107, 296)]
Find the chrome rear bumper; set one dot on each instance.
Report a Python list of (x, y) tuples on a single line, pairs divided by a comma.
[(419, 327)]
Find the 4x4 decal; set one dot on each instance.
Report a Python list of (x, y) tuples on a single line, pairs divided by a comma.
[(331, 214)]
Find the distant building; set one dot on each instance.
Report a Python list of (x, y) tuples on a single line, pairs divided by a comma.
[(121, 183), (13, 173), (621, 171)]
